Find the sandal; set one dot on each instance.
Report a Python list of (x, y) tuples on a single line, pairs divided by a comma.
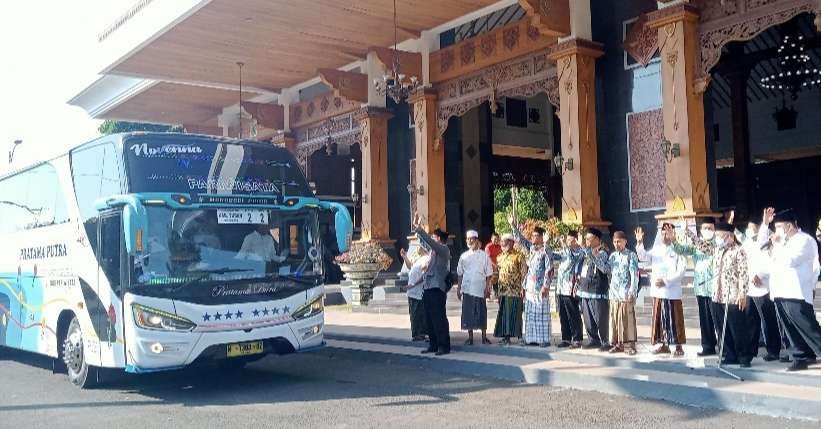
[(615, 349), (663, 350), (631, 352), (678, 353)]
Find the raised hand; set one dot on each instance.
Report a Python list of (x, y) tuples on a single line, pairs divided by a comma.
[(639, 233), (769, 215), (511, 220), (403, 253), (731, 217)]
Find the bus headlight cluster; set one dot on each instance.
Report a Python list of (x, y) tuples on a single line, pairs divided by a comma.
[(310, 309), (158, 320)]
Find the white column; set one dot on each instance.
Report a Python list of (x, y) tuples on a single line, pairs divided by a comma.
[(580, 27)]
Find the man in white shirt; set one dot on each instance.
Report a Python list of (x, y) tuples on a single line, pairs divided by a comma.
[(475, 273), (760, 308), (416, 278), (793, 276), (260, 245), (667, 271)]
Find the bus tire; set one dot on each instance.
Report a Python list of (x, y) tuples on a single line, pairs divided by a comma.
[(80, 373)]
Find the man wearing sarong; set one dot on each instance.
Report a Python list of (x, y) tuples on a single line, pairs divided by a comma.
[(537, 286), (593, 291), (475, 272), (570, 258), (512, 266), (703, 285), (624, 288), (667, 270)]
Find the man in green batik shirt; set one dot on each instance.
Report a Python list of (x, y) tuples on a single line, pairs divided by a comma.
[(703, 284)]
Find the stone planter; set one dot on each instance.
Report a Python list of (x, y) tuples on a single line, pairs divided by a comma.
[(360, 277)]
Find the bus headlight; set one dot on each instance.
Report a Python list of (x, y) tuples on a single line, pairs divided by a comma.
[(158, 320), (310, 309)]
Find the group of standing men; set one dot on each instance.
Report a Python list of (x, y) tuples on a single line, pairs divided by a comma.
[(761, 280), (746, 284)]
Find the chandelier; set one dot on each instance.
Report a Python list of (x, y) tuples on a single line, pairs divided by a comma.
[(796, 71), (394, 84)]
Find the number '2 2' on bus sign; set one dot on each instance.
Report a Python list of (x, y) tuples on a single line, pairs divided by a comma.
[(242, 216)]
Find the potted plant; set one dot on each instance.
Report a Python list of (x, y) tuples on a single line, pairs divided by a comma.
[(361, 264)]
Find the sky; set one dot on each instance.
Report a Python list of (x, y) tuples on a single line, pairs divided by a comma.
[(47, 51)]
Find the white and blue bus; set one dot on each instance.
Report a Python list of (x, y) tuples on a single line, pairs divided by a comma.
[(153, 251)]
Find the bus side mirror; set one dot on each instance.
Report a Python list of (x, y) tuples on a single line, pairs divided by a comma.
[(343, 225), (133, 223)]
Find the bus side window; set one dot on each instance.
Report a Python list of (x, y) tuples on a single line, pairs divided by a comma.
[(110, 246), (95, 171)]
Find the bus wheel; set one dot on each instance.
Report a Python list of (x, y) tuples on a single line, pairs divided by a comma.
[(79, 372)]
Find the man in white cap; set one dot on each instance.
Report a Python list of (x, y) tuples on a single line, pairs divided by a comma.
[(475, 273)]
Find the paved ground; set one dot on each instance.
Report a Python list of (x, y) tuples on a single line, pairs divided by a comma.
[(330, 388)]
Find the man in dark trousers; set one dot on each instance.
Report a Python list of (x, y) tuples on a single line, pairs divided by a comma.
[(434, 296), (793, 275)]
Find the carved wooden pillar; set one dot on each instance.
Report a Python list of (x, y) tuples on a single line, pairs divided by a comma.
[(374, 145), (687, 190), (576, 66), (430, 163)]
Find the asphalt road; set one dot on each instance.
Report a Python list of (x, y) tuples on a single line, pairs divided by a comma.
[(329, 388)]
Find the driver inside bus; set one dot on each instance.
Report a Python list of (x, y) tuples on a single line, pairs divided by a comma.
[(260, 245)]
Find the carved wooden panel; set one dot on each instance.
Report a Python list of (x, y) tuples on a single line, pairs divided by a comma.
[(647, 164), (722, 22), (525, 76), (319, 108), (642, 41), (342, 131), (494, 47), (348, 85)]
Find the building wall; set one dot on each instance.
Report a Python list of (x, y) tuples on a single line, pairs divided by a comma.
[(620, 91)]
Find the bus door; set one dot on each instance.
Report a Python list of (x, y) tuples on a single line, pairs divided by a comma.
[(109, 288)]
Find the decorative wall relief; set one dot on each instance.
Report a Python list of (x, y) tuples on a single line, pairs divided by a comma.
[(647, 164), (642, 41)]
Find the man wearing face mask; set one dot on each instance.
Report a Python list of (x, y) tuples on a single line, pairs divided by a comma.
[(792, 283), (760, 307), (667, 271), (569, 257), (730, 297), (703, 283), (594, 290)]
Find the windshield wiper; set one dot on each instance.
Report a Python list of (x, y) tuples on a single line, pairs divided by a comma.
[(203, 274), (313, 279)]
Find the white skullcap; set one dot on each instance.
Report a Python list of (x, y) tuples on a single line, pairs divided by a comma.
[(472, 234)]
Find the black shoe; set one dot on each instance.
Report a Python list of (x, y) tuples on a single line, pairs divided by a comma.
[(418, 338), (770, 357), (798, 365), (442, 352), (563, 344), (426, 351), (785, 359), (575, 345), (543, 345), (729, 361), (590, 346), (704, 353), (745, 365), (604, 348)]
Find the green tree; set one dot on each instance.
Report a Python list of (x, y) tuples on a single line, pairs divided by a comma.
[(111, 127), (530, 204)]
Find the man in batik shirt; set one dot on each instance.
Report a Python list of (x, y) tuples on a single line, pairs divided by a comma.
[(512, 266), (624, 288), (537, 286), (594, 291), (569, 257)]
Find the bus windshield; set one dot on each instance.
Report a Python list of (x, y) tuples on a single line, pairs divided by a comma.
[(182, 247), (196, 165)]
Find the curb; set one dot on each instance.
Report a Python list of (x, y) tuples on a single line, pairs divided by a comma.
[(695, 395)]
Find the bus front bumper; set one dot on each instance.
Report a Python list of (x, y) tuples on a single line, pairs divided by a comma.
[(158, 351)]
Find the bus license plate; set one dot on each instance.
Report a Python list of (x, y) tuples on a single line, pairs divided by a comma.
[(242, 216), (245, 349)]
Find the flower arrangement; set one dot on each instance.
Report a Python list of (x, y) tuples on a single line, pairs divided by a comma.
[(365, 252)]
